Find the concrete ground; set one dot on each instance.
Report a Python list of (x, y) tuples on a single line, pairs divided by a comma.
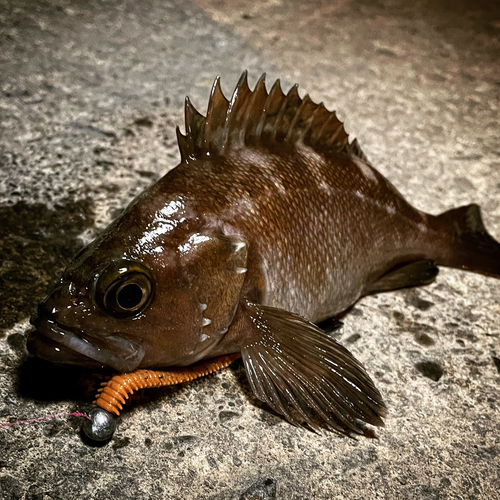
[(90, 93)]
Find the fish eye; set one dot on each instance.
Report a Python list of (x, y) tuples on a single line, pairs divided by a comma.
[(130, 296), (125, 289)]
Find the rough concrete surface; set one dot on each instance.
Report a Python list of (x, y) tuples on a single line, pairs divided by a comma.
[(90, 93)]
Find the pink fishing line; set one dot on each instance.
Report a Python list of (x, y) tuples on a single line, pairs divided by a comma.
[(50, 417)]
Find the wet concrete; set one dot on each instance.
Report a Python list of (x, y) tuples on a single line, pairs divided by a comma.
[(90, 94), (31, 234)]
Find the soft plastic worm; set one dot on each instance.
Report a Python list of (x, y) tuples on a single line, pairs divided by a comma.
[(111, 397)]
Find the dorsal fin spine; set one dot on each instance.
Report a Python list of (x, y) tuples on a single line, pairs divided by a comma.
[(244, 103), (260, 125), (187, 115), (327, 122), (264, 116), (278, 123), (334, 136), (191, 116), (322, 116), (276, 96), (255, 110), (210, 126), (238, 99), (195, 129), (291, 99), (183, 144), (231, 109), (309, 123), (261, 119), (215, 121), (297, 117)]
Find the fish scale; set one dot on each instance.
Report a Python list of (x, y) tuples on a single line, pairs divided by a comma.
[(273, 221), (306, 210)]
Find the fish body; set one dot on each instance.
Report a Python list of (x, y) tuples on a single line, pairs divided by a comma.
[(272, 222)]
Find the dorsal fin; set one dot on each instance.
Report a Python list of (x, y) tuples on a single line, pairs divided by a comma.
[(260, 118)]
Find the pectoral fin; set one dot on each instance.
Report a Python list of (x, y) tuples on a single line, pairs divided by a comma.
[(306, 376)]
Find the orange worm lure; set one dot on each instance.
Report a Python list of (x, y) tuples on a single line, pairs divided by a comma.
[(111, 397)]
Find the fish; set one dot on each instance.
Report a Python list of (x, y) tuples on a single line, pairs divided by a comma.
[(273, 223)]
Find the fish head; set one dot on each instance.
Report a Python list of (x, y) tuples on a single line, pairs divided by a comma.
[(158, 288)]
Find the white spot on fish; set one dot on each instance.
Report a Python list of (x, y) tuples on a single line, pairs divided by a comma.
[(202, 307), (366, 170), (241, 270), (325, 187), (238, 245), (204, 337), (422, 227), (390, 210), (206, 322), (195, 239), (278, 184)]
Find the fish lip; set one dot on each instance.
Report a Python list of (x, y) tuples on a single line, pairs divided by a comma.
[(129, 357), (40, 346)]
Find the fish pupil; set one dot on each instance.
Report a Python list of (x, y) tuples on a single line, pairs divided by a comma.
[(129, 296)]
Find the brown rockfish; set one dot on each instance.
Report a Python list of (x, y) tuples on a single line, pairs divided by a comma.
[(272, 222)]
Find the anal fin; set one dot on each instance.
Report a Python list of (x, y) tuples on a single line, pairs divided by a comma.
[(330, 325), (417, 273)]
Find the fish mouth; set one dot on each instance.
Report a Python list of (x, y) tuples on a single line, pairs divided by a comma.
[(65, 345)]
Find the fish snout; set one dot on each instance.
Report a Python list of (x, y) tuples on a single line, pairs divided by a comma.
[(63, 344), (61, 295)]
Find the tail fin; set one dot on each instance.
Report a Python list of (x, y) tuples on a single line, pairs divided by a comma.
[(471, 247)]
